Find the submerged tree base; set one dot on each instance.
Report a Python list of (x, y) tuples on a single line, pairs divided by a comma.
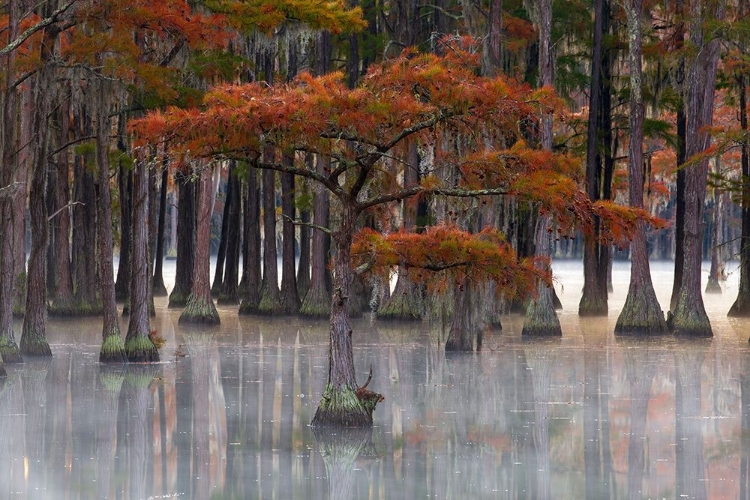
[(178, 298), (62, 307), (317, 303), (346, 407), (741, 307), (689, 324), (113, 350), (641, 314), (35, 345), (400, 307), (541, 320), (140, 349), (9, 350), (593, 307), (200, 311)]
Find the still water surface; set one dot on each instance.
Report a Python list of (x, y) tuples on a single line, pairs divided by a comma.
[(226, 412)]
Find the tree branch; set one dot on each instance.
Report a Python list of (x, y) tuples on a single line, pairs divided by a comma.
[(417, 190), (53, 18), (298, 222)]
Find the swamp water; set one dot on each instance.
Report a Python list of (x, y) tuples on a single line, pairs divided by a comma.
[(226, 412)]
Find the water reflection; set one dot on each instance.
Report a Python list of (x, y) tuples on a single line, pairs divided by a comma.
[(225, 416)]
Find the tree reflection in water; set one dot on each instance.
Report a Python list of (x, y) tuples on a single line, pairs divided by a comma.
[(587, 416)]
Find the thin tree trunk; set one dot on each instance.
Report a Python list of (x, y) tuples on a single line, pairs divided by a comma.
[(305, 237), (270, 298), (125, 178), (138, 345), (222, 252), (289, 296), (717, 266), (641, 314), (229, 291), (741, 306), (200, 306), (317, 303), (157, 285), (251, 299)]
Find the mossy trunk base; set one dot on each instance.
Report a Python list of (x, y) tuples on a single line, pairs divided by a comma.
[(62, 308), (317, 303), (541, 319), (140, 349), (35, 345), (593, 307), (200, 311), (713, 286), (113, 350), (401, 306), (178, 298), (9, 350), (689, 324), (346, 407), (641, 316)]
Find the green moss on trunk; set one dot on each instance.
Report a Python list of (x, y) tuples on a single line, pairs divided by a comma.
[(317, 303), (113, 349), (35, 345), (9, 350), (140, 349), (344, 408), (178, 298), (200, 311), (541, 320), (88, 308), (270, 305), (401, 306), (641, 316), (592, 306)]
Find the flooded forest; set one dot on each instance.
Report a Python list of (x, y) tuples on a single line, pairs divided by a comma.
[(374, 248)]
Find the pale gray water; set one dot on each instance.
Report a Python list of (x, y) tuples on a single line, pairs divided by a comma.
[(585, 416)]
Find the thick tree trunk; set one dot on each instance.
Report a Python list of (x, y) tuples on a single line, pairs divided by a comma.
[(317, 303), (88, 300), (138, 345), (641, 314), (741, 306), (229, 292), (157, 284), (594, 299), (461, 333), (34, 338), (270, 297), (690, 316), (113, 348), (343, 403), (21, 176), (221, 254), (289, 296), (183, 280), (251, 298), (200, 306), (125, 180)]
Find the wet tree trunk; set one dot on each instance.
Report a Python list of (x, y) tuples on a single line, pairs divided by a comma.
[(183, 281), (113, 348), (741, 306), (157, 285), (541, 318), (221, 254), (138, 345), (641, 314), (125, 181), (34, 335), (229, 291), (317, 303), (594, 299), (343, 403), (289, 296), (251, 298), (200, 306), (690, 318), (9, 351)]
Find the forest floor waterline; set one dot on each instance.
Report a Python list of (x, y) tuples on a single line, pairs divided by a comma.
[(225, 414)]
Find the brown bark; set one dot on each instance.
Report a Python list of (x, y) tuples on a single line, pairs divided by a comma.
[(741, 306), (641, 314), (690, 316), (157, 284), (113, 348), (125, 178), (183, 281), (138, 345), (88, 300), (289, 296), (221, 254), (229, 292), (252, 263), (270, 297), (461, 332), (305, 238), (715, 274), (200, 306), (317, 301)]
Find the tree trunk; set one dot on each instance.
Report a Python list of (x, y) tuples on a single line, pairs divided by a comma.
[(229, 291), (200, 306), (183, 280), (690, 318), (461, 333), (541, 318), (716, 272), (113, 348), (221, 255), (9, 352), (741, 306), (251, 299), (88, 300), (289, 296), (343, 403), (21, 176), (305, 236), (270, 297), (594, 299), (125, 179), (641, 314), (157, 284), (34, 337), (317, 303), (138, 345)]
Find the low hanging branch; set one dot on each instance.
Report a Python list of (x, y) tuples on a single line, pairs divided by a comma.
[(53, 18)]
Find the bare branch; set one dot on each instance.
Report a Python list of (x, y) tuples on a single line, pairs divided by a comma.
[(298, 222), (421, 190), (53, 18), (72, 203)]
